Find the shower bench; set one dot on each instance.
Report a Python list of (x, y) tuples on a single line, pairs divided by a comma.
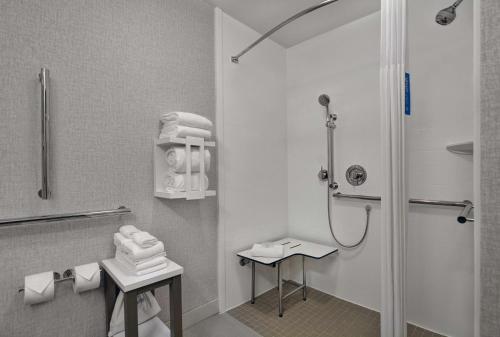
[(293, 247)]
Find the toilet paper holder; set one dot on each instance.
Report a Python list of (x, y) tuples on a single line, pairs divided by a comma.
[(68, 275)]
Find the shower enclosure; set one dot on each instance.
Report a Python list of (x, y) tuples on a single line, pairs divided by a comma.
[(399, 203)]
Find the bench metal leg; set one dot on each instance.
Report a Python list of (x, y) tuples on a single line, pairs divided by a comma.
[(175, 293), (280, 291), (110, 291), (130, 313), (304, 291), (252, 299)]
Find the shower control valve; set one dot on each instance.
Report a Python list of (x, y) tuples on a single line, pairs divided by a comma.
[(323, 174)]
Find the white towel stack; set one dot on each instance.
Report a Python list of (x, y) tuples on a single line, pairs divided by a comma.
[(183, 124), (139, 252)]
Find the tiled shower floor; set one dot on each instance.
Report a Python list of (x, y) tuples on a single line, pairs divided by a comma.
[(321, 315)]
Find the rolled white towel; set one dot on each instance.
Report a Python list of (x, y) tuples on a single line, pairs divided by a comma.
[(119, 239), (266, 250), (144, 239), (186, 119), (177, 182), (131, 265), (136, 253), (181, 131), (128, 230), (176, 159)]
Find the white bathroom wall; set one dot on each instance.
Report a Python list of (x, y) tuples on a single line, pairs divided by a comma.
[(440, 250), (344, 64), (252, 140)]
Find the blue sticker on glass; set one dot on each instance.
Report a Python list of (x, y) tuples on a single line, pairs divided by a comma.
[(407, 95)]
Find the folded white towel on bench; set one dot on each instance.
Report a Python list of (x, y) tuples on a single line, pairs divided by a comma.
[(267, 250)]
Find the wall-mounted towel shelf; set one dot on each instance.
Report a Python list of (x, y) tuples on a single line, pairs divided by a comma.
[(67, 216), (161, 145)]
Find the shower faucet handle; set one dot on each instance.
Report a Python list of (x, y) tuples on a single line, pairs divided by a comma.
[(322, 174)]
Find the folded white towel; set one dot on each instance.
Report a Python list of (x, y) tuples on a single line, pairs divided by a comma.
[(136, 253), (186, 119), (181, 131), (144, 239), (131, 265), (128, 230), (139, 262), (119, 239), (177, 182), (136, 272), (176, 159), (266, 250)]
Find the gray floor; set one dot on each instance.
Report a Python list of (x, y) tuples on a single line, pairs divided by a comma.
[(220, 326)]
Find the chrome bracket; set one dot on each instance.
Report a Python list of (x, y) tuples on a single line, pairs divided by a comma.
[(323, 174)]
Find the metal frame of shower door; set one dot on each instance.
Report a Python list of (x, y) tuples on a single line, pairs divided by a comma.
[(299, 286)]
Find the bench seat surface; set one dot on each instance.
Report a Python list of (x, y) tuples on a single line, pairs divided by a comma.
[(292, 247)]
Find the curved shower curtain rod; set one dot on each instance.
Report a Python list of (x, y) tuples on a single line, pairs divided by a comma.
[(236, 58)]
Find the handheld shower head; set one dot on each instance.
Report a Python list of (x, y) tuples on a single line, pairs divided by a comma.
[(324, 100), (446, 16)]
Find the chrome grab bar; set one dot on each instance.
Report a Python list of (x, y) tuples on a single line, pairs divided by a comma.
[(44, 192), (56, 217), (467, 205)]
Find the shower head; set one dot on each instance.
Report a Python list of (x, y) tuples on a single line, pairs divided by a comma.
[(324, 100), (447, 15)]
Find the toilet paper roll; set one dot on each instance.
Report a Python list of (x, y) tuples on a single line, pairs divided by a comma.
[(87, 277), (39, 288)]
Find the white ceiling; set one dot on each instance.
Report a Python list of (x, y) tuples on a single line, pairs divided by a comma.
[(262, 15)]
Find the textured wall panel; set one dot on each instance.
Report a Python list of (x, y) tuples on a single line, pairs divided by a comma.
[(490, 168), (115, 65)]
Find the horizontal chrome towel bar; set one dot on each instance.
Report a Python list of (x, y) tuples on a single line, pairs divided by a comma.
[(68, 216), (462, 218)]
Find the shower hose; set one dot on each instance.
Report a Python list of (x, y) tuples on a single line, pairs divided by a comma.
[(368, 208)]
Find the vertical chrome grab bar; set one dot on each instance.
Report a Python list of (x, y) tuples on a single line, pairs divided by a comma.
[(44, 192)]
